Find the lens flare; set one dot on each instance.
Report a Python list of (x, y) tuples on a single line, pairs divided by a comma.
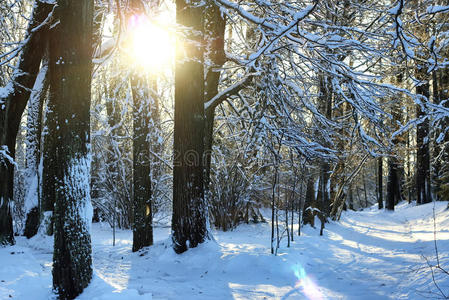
[(150, 45), (309, 288)]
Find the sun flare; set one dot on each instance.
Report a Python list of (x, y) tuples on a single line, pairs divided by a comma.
[(150, 43)]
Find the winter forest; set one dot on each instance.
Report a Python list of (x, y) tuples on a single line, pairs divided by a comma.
[(224, 149)]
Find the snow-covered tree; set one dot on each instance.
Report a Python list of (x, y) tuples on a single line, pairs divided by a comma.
[(70, 87)]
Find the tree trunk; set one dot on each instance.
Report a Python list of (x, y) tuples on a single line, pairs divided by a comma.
[(364, 190), (142, 225), (380, 200), (309, 203), (189, 209), (12, 109), (33, 153), (301, 184), (394, 194), (442, 184), (436, 162), (214, 31), (422, 143), (70, 72), (393, 184), (49, 164), (351, 198), (325, 107)]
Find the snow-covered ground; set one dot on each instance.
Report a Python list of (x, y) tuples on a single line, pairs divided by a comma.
[(368, 255)]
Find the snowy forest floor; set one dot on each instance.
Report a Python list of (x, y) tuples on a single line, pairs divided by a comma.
[(369, 254)]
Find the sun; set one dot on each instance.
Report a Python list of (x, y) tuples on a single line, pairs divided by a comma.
[(150, 44)]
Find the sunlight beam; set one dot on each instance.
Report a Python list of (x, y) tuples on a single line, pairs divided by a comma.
[(149, 44)]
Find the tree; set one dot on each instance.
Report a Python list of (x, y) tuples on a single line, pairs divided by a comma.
[(142, 119), (189, 209), (380, 201), (33, 153), (70, 87), (49, 165), (142, 224), (12, 106), (214, 29), (422, 140)]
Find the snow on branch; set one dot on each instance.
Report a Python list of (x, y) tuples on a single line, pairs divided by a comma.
[(4, 156)]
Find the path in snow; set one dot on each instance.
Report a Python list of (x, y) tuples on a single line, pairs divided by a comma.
[(368, 255)]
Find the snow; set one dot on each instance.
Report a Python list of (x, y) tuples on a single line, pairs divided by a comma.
[(370, 254), (395, 10), (78, 186), (433, 9), (4, 155)]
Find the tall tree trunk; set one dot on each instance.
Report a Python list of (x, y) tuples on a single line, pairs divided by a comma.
[(422, 142), (436, 162), (189, 224), (49, 165), (214, 31), (351, 197), (12, 109), (442, 184), (70, 72), (394, 193), (323, 196), (380, 171), (393, 183), (143, 223), (33, 153), (308, 213)]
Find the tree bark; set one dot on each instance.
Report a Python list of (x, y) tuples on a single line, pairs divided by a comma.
[(189, 208), (143, 221), (395, 170), (214, 31), (442, 150), (49, 163), (422, 143), (70, 72), (308, 214), (33, 153), (380, 200), (393, 184)]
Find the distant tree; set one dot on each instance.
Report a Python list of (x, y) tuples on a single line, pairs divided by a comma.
[(423, 189), (380, 201), (308, 216)]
